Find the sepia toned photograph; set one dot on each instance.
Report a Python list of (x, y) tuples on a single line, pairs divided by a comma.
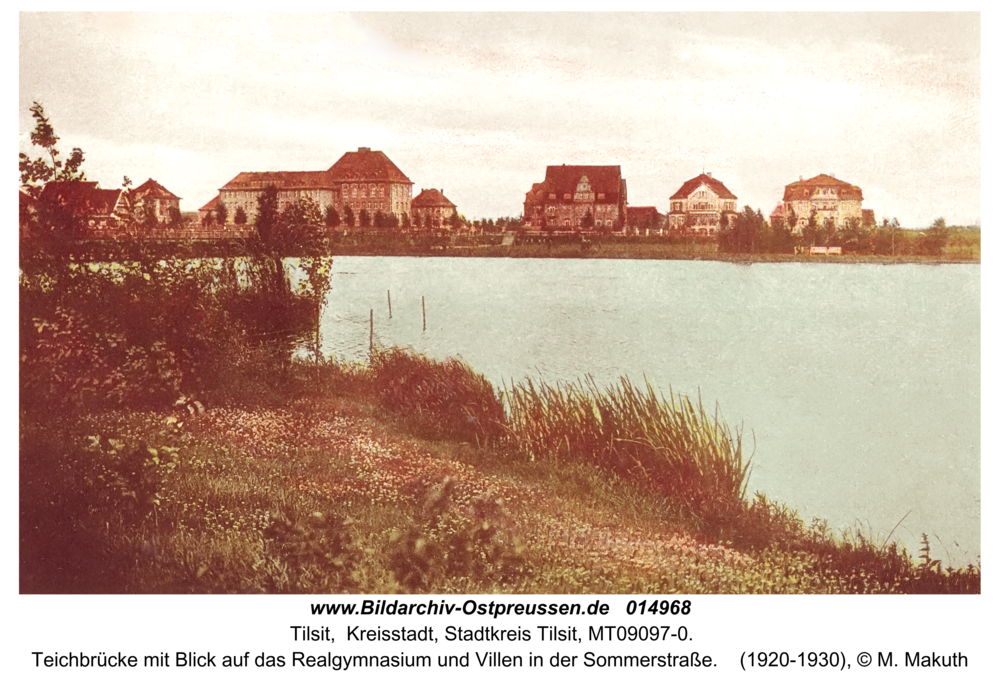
[(499, 303)]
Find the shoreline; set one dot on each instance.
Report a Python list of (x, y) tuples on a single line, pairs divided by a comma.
[(117, 250)]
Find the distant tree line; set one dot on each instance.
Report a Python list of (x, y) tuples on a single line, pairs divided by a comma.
[(750, 233)]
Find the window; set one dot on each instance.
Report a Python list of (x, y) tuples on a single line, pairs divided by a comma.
[(600, 195), (566, 196)]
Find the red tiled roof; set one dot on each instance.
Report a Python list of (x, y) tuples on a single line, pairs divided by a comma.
[(153, 190), (638, 215), (779, 210), (366, 165), (536, 195), (83, 198), (564, 179), (283, 180), (804, 189), (690, 186), (213, 204), (431, 197)]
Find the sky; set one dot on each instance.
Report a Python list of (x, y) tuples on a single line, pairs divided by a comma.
[(479, 104)]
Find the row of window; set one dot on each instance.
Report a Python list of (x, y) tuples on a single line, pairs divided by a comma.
[(578, 197)]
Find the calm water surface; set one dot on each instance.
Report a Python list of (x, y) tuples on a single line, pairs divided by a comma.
[(859, 383)]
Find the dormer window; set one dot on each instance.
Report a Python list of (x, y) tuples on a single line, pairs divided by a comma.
[(600, 195)]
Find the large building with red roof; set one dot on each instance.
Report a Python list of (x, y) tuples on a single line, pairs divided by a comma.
[(701, 206), (365, 180), (828, 197), (577, 198)]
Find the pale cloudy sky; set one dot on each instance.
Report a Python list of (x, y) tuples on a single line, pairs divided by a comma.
[(479, 104)]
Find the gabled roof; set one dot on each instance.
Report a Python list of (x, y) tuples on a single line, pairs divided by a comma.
[(82, 198), (153, 190), (283, 180), (565, 179), (431, 197), (212, 204), (638, 215), (804, 189), (366, 165), (714, 185), (779, 210)]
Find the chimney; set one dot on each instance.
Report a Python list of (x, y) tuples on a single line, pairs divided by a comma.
[(801, 179), (364, 149), (709, 174)]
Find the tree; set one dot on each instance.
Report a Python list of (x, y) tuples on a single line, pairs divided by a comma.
[(330, 217), (365, 219), (455, 220), (35, 173), (268, 220), (222, 214), (744, 233), (811, 229), (174, 216), (240, 217), (51, 221), (587, 222), (348, 216), (406, 221), (301, 223), (935, 239)]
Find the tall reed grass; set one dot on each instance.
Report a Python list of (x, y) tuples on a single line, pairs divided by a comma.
[(672, 444)]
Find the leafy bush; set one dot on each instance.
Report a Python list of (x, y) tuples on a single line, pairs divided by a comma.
[(473, 544), (140, 333)]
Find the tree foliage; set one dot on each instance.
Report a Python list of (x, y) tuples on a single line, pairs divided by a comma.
[(36, 172), (744, 234)]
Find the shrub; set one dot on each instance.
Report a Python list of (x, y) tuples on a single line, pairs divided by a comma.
[(474, 544), (439, 399)]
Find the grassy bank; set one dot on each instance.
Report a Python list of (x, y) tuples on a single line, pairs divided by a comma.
[(412, 475)]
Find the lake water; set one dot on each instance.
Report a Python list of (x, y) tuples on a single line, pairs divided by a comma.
[(859, 383)]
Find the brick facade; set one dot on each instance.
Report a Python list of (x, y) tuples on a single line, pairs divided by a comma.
[(363, 180), (577, 198)]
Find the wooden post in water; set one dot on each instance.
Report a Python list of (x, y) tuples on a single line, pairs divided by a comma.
[(388, 296), (423, 309), (371, 330)]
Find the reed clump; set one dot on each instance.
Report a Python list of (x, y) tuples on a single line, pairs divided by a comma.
[(438, 399), (672, 445)]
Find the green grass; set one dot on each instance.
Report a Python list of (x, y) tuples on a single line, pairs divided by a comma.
[(340, 489)]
